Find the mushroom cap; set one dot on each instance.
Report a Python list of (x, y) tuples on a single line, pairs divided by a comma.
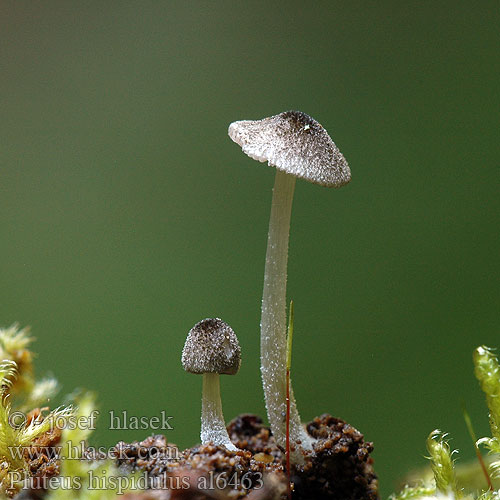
[(294, 143), (211, 347)]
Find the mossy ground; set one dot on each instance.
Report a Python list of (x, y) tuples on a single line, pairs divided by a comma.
[(38, 457)]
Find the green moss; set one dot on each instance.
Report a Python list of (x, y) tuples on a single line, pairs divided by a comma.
[(442, 463), (446, 481), (487, 371), (87, 480)]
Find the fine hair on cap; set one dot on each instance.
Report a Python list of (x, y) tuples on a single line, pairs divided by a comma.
[(211, 347), (294, 143)]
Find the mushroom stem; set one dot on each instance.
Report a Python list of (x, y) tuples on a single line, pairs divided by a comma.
[(213, 427), (273, 320)]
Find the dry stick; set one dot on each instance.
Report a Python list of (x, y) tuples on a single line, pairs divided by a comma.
[(468, 423), (288, 366)]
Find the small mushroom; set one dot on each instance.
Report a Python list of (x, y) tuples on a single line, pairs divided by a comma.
[(298, 146), (212, 349)]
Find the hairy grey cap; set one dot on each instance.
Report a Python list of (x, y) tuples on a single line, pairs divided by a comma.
[(295, 143), (211, 347)]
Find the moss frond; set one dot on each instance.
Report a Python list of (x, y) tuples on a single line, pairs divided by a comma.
[(487, 371), (14, 339), (443, 470), (414, 492), (72, 469), (56, 418), (442, 463), (489, 495), (8, 373), (86, 406), (7, 438), (87, 480), (14, 344), (40, 394), (494, 468), (15, 433), (14, 439)]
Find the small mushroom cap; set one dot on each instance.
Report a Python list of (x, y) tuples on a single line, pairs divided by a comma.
[(211, 347), (294, 143)]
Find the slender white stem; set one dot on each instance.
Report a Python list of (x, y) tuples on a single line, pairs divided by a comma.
[(213, 427), (273, 320)]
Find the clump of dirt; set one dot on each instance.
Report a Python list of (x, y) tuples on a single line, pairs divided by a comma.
[(153, 456), (207, 470), (248, 432), (340, 468)]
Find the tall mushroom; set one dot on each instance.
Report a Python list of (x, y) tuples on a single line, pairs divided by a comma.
[(212, 349), (298, 146)]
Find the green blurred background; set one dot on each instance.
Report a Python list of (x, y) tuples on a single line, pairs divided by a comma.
[(127, 214)]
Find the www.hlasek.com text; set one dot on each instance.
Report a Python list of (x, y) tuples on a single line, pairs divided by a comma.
[(76, 450)]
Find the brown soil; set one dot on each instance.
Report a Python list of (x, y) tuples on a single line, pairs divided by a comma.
[(340, 468)]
